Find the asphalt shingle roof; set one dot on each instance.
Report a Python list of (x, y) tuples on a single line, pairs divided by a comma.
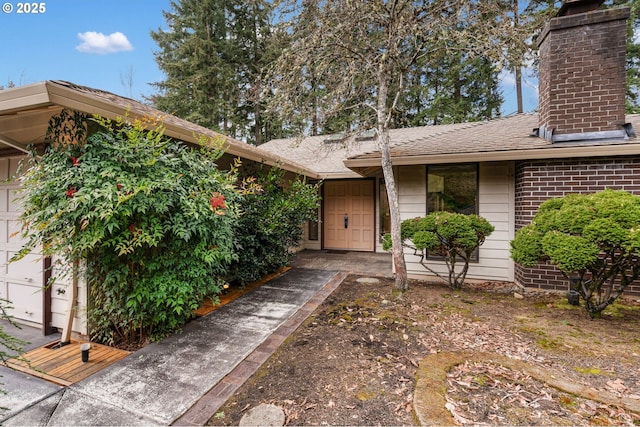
[(237, 147), (460, 141), (316, 153)]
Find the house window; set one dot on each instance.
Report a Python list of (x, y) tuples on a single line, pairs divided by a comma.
[(452, 188), (313, 225), (383, 212), (313, 230)]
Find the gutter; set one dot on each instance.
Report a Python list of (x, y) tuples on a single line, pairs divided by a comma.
[(31, 96), (497, 156)]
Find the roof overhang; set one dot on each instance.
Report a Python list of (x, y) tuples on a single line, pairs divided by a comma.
[(365, 166), (25, 113), (340, 175)]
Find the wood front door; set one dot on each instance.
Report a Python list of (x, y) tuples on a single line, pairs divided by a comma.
[(349, 215)]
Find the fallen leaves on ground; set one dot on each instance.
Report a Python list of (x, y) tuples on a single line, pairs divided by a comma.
[(354, 361), (488, 394)]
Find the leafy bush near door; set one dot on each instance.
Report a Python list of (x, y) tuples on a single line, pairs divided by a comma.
[(271, 223), (153, 219), (157, 226)]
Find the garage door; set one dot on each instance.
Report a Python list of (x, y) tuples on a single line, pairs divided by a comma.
[(20, 282)]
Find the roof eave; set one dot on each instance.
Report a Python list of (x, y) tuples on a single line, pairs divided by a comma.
[(339, 175), (496, 156), (91, 105), (25, 97)]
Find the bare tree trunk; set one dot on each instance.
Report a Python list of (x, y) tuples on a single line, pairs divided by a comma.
[(518, 70), (519, 89), (71, 305), (401, 279), (257, 114)]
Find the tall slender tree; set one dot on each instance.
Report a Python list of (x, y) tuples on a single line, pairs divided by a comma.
[(453, 89), (363, 52)]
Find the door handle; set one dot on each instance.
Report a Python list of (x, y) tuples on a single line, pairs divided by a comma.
[(346, 220)]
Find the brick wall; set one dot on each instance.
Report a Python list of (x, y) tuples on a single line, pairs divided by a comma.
[(537, 181), (582, 72)]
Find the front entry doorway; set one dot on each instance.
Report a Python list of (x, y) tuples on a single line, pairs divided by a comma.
[(349, 215)]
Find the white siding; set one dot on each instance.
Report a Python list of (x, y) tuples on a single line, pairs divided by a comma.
[(21, 282), (412, 193), (496, 201)]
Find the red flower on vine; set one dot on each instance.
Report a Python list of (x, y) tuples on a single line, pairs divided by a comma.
[(217, 201), (75, 161), (71, 191)]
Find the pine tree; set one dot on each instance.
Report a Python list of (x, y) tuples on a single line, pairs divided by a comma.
[(454, 89), (211, 55)]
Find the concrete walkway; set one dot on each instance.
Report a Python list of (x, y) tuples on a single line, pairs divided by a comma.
[(185, 378)]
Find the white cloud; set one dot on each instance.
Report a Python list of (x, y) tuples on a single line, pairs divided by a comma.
[(93, 42), (507, 78)]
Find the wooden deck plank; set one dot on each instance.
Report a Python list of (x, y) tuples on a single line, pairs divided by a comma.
[(64, 365), (42, 375), (55, 358), (74, 365), (40, 355)]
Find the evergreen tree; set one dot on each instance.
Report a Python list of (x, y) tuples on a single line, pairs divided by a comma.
[(454, 89), (212, 55)]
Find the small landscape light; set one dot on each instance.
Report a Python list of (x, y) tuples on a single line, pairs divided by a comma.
[(84, 348)]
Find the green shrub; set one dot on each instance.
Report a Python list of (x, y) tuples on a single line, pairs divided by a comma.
[(271, 224), (592, 238), (10, 346), (153, 219), (451, 235)]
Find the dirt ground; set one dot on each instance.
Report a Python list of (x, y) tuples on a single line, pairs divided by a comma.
[(353, 362)]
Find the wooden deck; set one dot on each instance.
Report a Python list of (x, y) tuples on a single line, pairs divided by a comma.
[(63, 365)]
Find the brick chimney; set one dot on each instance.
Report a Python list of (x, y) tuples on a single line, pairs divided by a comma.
[(582, 73)]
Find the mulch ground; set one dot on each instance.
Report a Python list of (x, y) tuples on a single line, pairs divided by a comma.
[(354, 361)]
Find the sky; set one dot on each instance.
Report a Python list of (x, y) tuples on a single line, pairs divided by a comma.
[(106, 44)]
